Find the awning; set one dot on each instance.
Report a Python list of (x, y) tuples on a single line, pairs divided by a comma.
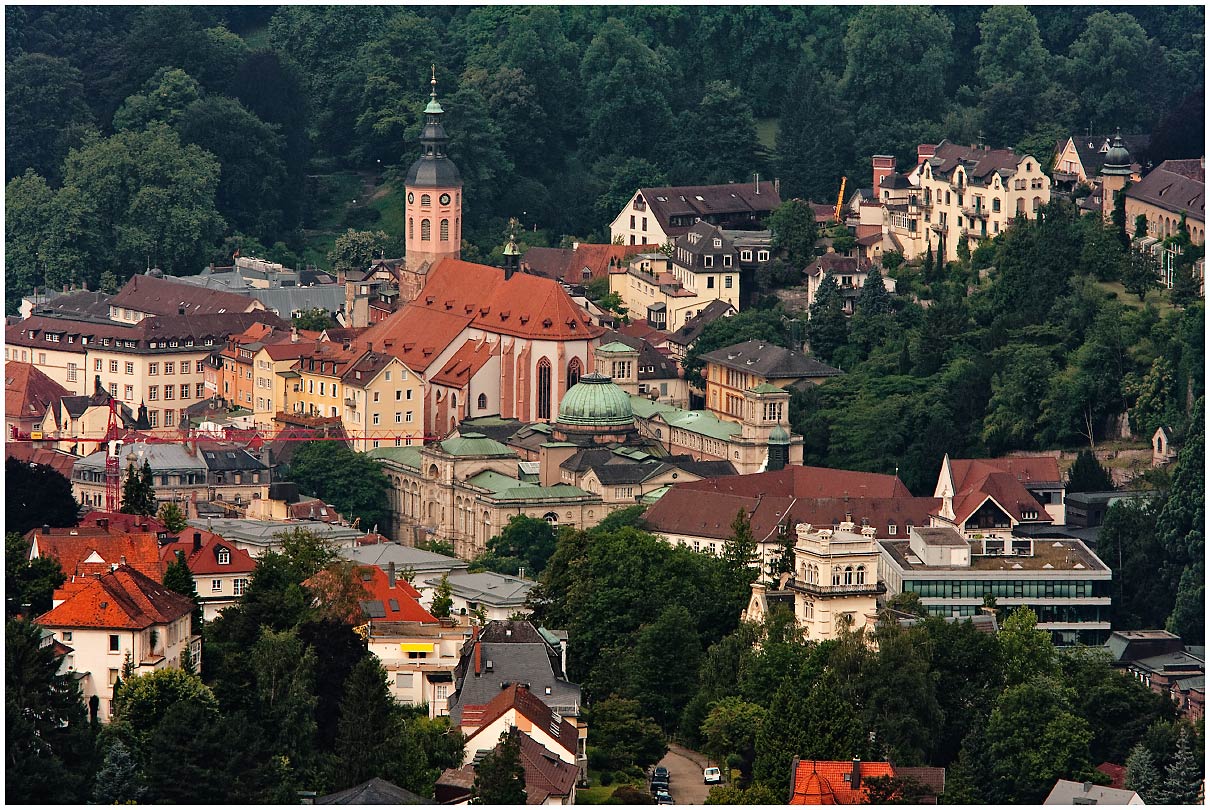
[(417, 648), (439, 677)]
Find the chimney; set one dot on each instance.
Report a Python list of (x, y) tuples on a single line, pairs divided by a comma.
[(855, 777), (563, 655), (293, 334), (756, 181), (1087, 786), (777, 185), (103, 523), (391, 573), (180, 310), (45, 528), (197, 541), (122, 560), (883, 165)]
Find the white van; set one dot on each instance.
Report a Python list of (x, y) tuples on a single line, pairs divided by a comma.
[(712, 776)]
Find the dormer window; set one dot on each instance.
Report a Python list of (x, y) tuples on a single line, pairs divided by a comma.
[(718, 243), (224, 557)]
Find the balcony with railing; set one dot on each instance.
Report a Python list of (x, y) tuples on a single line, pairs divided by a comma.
[(975, 211), (855, 589)]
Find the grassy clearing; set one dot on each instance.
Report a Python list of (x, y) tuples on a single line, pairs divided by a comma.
[(766, 131), (1157, 298), (596, 793), (334, 196), (389, 203)]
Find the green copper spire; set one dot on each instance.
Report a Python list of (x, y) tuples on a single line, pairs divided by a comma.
[(433, 108)]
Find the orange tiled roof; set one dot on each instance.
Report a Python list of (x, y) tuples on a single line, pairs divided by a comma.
[(975, 480), (206, 559), (465, 364), (828, 781), (526, 703), (93, 550), (28, 392), (121, 599), (398, 604)]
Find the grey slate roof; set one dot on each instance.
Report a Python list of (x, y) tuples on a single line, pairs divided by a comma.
[(489, 588), (159, 456), (515, 662), (419, 560), (769, 360), (1068, 792), (79, 304), (1171, 192), (263, 532), (375, 791), (693, 327)]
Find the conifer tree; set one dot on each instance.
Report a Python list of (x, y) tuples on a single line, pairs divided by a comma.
[(827, 329), (1142, 773), (1184, 777), (179, 578), (1087, 475), (500, 777), (874, 298), (120, 780), (138, 493)]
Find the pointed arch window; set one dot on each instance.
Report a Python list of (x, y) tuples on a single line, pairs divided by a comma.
[(445, 230), (573, 372), (543, 388), (425, 230)]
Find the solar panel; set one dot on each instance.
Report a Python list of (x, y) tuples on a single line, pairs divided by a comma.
[(374, 609), (394, 603)]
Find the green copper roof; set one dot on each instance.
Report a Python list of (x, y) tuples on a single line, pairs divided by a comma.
[(595, 401), (615, 346), (779, 436), (654, 495), (474, 444), (766, 388), (644, 408), (433, 108), (494, 481), (407, 456), (704, 423)]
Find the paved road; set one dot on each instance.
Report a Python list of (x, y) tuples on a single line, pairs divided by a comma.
[(685, 775)]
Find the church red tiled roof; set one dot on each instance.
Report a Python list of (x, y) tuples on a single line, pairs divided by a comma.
[(120, 599), (465, 364), (831, 782)]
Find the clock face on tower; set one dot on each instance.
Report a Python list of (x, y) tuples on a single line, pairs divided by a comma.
[(411, 198), (445, 199)]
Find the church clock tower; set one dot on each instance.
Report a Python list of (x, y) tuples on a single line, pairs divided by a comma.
[(434, 195)]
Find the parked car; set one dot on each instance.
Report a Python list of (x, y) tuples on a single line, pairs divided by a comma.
[(658, 784), (663, 797), (712, 776), (661, 771)]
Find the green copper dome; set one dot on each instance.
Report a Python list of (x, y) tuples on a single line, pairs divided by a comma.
[(779, 436), (1117, 159), (595, 401)]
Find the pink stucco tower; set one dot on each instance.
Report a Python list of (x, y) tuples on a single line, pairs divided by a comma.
[(434, 195)]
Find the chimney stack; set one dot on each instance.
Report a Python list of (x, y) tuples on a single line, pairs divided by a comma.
[(756, 181), (855, 777), (180, 310), (391, 573), (293, 334), (122, 560), (197, 541)]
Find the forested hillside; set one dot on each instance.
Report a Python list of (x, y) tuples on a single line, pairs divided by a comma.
[(169, 135)]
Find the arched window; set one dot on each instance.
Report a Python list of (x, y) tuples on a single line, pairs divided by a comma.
[(835, 575), (552, 518), (848, 575), (426, 199), (445, 230), (861, 575), (433, 471), (483, 402), (425, 230), (411, 228), (573, 372), (543, 388), (454, 400)]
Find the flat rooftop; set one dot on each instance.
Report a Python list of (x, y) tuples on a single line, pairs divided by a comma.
[(940, 536), (1050, 556)]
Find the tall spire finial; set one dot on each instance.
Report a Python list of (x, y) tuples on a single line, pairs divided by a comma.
[(433, 108), (434, 80)]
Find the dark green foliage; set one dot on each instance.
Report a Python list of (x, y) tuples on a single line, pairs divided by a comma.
[(120, 780), (371, 738), (172, 517), (442, 603), (1181, 530), (48, 744), (36, 495), (315, 320), (350, 481), (622, 736), (524, 542), (1141, 273), (751, 324), (499, 778), (26, 581), (182, 752), (138, 491), (794, 231), (815, 135), (1087, 475), (1183, 782), (179, 578), (827, 329), (1143, 774), (45, 114)]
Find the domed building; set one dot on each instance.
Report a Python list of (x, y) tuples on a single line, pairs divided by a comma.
[(595, 410), (433, 188), (1115, 171)]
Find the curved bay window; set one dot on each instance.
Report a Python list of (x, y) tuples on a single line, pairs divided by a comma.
[(543, 388), (573, 372)]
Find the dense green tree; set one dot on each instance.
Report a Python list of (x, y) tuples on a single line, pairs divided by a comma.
[(622, 736), (138, 491), (1017, 394), (1034, 738), (731, 730), (1143, 774), (45, 114), (350, 481), (143, 198), (317, 320), (620, 179), (355, 250), (372, 738), (729, 794), (794, 231), (1027, 651), (1129, 545), (814, 137), (178, 577), (48, 745), (253, 182), (28, 582), (27, 236), (1087, 474), (827, 329), (171, 516), (900, 696), (143, 701), (1183, 782), (1181, 530), (500, 777), (120, 779), (187, 754), (1141, 273), (164, 98), (1101, 66), (662, 692), (36, 495), (718, 138), (442, 603), (530, 541), (968, 663), (751, 324)]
